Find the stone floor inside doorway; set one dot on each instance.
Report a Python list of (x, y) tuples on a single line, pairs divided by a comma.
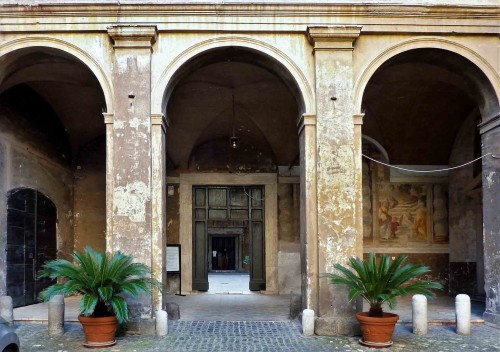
[(229, 283)]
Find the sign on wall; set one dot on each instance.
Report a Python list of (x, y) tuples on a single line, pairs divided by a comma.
[(173, 258)]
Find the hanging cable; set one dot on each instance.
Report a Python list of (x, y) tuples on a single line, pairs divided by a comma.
[(429, 171)]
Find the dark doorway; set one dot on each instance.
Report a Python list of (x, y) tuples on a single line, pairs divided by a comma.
[(223, 253), (228, 233), (31, 240)]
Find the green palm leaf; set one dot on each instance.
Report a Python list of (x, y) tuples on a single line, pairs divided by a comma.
[(382, 282), (101, 279)]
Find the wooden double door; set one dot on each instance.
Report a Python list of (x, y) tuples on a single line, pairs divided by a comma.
[(228, 233), (31, 240)]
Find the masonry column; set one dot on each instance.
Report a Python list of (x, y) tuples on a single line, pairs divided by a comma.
[(336, 171), (490, 137), (131, 142), (308, 212), (158, 182), (108, 121), (358, 162)]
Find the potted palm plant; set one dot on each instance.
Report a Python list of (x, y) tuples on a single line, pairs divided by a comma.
[(378, 283), (101, 280)]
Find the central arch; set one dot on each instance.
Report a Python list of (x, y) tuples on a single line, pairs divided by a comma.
[(196, 74)]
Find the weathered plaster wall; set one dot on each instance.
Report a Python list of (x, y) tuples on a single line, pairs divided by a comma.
[(29, 159), (465, 204), (172, 221), (90, 197), (289, 238)]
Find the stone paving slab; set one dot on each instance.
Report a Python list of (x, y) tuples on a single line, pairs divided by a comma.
[(223, 336)]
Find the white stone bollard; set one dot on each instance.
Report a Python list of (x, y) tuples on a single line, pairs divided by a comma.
[(161, 323), (462, 314), (6, 309), (419, 314), (308, 322), (56, 316)]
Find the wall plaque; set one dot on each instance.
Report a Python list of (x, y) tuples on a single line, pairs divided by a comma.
[(173, 258)]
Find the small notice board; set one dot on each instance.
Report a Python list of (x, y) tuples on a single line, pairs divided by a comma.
[(173, 258)]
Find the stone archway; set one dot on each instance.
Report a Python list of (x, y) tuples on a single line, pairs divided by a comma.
[(250, 64), (423, 104)]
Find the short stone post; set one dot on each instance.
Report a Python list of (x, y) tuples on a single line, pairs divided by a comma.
[(419, 314), (462, 314), (6, 309), (308, 322), (161, 323), (56, 316)]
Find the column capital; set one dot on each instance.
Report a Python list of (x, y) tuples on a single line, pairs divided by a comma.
[(160, 120), (358, 119), (108, 118), (305, 120), (490, 124), (133, 36), (336, 37)]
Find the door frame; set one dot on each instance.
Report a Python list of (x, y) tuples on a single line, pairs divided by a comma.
[(270, 183)]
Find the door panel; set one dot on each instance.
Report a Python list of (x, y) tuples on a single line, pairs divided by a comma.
[(31, 240), (257, 247), (239, 207), (200, 241)]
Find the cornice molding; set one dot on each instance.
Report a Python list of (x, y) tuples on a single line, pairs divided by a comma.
[(490, 124), (160, 120), (338, 37), (305, 120), (133, 36), (261, 9)]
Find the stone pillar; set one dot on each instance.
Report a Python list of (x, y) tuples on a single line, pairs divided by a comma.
[(490, 137), (7, 310), (108, 120), (56, 315), (358, 162), (336, 171), (308, 212), (158, 182), (131, 157)]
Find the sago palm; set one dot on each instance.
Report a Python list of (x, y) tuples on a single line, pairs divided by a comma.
[(100, 279), (382, 282)]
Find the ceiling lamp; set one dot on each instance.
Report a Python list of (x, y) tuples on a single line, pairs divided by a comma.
[(234, 140)]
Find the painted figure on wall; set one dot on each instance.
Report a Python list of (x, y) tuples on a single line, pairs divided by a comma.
[(402, 213)]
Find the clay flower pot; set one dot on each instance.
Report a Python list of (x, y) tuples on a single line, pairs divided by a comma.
[(99, 332), (377, 331)]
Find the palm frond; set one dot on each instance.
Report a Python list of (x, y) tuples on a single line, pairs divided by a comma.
[(101, 279), (383, 281)]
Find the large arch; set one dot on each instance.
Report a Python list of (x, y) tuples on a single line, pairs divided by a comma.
[(164, 86), (424, 99), (491, 75), (54, 43), (235, 51)]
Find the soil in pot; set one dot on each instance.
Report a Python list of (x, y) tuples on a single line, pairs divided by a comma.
[(377, 331), (99, 331)]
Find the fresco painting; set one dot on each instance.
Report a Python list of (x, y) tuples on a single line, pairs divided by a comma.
[(403, 214)]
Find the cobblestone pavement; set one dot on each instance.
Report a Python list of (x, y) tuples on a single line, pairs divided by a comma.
[(259, 336)]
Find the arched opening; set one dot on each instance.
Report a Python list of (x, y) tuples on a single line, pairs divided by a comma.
[(423, 107), (219, 94), (51, 132)]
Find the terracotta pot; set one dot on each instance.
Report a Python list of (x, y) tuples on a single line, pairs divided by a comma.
[(99, 332), (377, 332)]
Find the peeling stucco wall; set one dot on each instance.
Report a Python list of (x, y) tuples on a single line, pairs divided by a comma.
[(465, 214), (288, 238), (90, 197)]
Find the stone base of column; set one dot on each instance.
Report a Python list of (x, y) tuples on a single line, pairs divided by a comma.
[(492, 319), (142, 327), (337, 326)]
